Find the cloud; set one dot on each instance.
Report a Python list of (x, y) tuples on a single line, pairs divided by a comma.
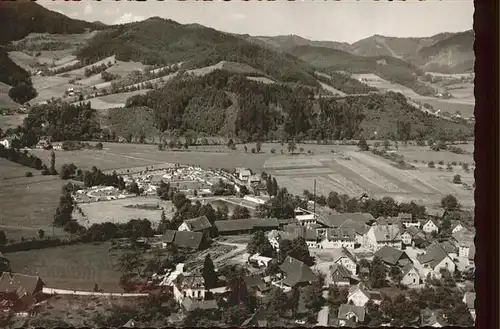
[(88, 9), (128, 18)]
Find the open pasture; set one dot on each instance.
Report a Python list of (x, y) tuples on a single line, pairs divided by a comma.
[(114, 100), (11, 121), (80, 73), (10, 170), (123, 210), (74, 267), (419, 153)]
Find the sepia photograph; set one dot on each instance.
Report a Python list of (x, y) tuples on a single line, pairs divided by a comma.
[(237, 164)]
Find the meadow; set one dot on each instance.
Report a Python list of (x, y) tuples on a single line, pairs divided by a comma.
[(75, 267)]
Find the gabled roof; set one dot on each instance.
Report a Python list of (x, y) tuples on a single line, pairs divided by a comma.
[(429, 318), (432, 220), (434, 255), (358, 227), (343, 252), (342, 233), (255, 281), (372, 294), (448, 247), (405, 217), (407, 268), (464, 237), (302, 231), (336, 220), (339, 272), (168, 236), (132, 324), (198, 224), (296, 272), (345, 309), (470, 300), (388, 221), (390, 255), (384, 233), (192, 304), (186, 239), (21, 284), (413, 231)]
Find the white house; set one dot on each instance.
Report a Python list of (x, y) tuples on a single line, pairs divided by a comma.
[(359, 295), (430, 226), (244, 175), (407, 220), (456, 227), (305, 217), (435, 259), (261, 261), (345, 258), (339, 238), (410, 275), (382, 235), (198, 224), (351, 312), (192, 286)]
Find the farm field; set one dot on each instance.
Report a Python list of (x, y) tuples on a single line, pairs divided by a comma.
[(120, 211), (77, 267), (10, 170), (113, 100), (11, 121), (367, 173), (28, 204)]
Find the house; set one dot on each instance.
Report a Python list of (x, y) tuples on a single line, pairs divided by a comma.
[(429, 318), (392, 257), (342, 237), (410, 275), (244, 175), (259, 260), (414, 237), (407, 220), (456, 226), (434, 260), (356, 221), (430, 225), (345, 258), (463, 240), (339, 275), (296, 272), (189, 240), (253, 179), (9, 141), (305, 217), (310, 235), (168, 237), (449, 248), (255, 283), (192, 286), (22, 285), (470, 300), (190, 304), (382, 235), (198, 224), (351, 312), (242, 226), (133, 324), (359, 295), (472, 256)]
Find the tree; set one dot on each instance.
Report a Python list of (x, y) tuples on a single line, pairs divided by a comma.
[(41, 234), (297, 249), (431, 164), (260, 244), (134, 188), (276, 301), (457, 179), (240, 212), (374, 317), (258, 147), (395, 274), (459, 315), (230, 144), (53, 170), (98, 146), (449, 202), (378, 273), (386, 144), (363, 145), (313, 296), (291, 146), (3, 238), (333, 200), (245, 148), (208, 273)]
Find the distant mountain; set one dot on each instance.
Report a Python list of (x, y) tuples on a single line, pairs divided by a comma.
[(443, 52), (22, 17)]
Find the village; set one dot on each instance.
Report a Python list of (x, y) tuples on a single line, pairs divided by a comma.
[(361, 259)]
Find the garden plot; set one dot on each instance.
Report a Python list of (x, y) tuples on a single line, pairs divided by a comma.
[(353, 176), (303, 171), (295, 185), (371, 176)]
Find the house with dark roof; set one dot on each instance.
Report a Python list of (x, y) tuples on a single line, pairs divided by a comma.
[(198, 224), (342, 237), (191, 304), (21, 285), (310, 235), (383, 235), (168, 237), (410, 275), (296, 272), (392, 257), (245, 226), (430, 225), (255, 283), (351, 312), (414, 236), (340, 276), (190, 240), (407, 220), (433, 261), (359, 222), (359, 295)]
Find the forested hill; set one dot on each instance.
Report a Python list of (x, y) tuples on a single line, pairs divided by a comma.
[(22, 17), (157, 41), (214, 102)]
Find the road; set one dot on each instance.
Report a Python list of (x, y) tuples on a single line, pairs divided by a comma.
[(52, 291), (323, 314)]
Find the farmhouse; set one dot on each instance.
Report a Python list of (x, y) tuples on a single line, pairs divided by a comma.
[(339, 275), (255, 283), (189, 240), (310, 235), (24, 286), (382, 235), (413, 236), (199, 224), (359, 295), (410, 275), (345, 258), (434, 260), (305, 217), (296, 272), (430, 225), (407, 220), (192, 286), (351, 312), (339, 238), (242, 226), (392, 257)]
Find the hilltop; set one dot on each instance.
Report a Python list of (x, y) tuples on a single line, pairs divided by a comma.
[(443, 52)]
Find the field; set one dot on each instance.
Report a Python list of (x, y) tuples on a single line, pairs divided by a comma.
[(464, 105), (113, 100), (5, 100), (367, 173), (11, 121), (119, 211), (75, 267)]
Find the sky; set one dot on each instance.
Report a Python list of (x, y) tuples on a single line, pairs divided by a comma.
[(344, 21)]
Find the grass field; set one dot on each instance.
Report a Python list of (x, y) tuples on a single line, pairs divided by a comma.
[(116, 211), (76, 267), (11, 121), (114, 100)]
